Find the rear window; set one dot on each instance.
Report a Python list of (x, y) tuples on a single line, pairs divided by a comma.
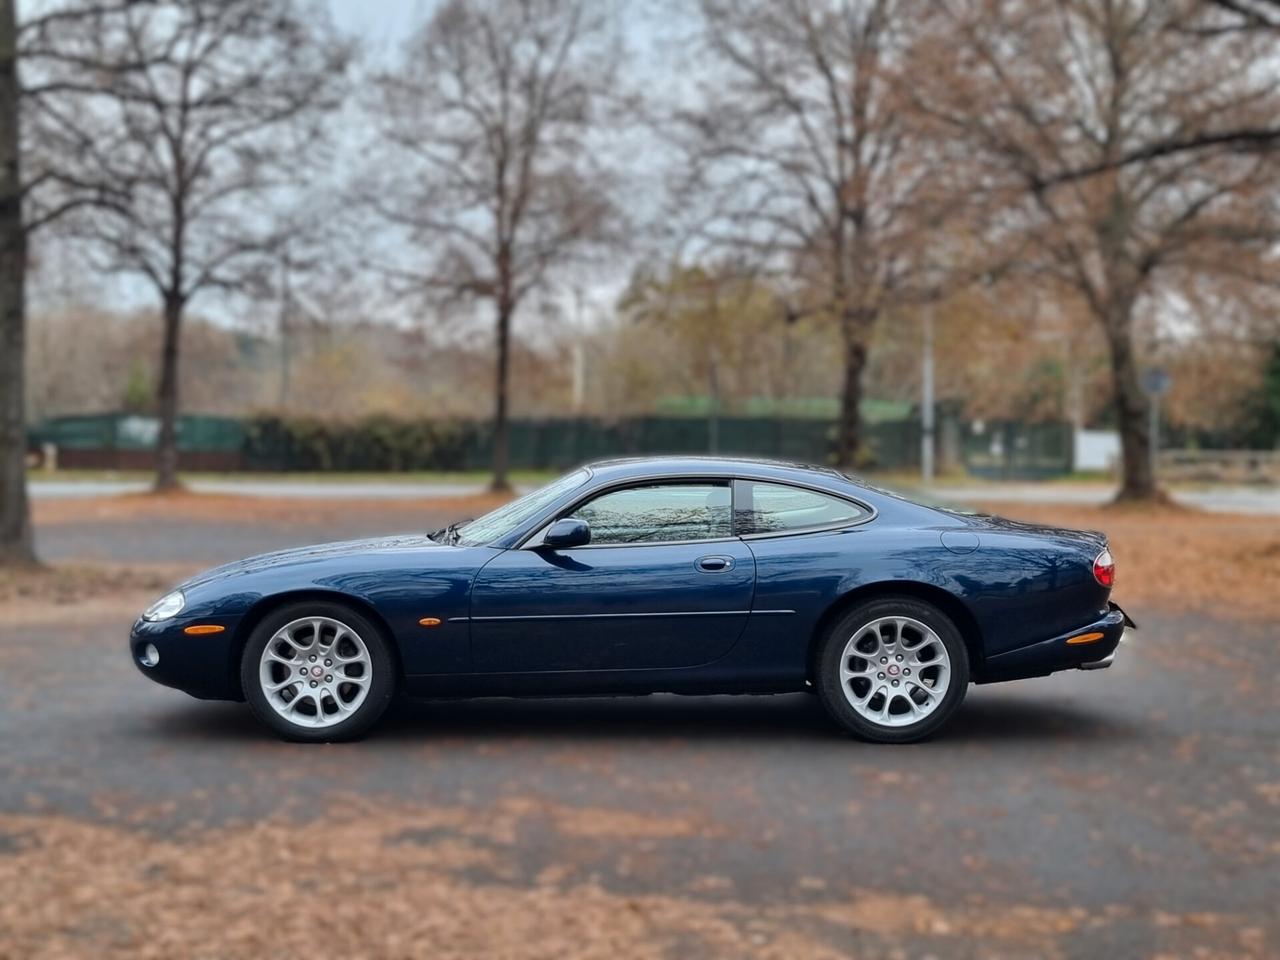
[(778, 507)]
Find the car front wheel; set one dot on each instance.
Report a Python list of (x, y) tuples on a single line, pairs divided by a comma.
[(892, 670), (316, 672)]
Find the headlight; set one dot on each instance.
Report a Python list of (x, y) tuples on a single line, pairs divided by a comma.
[(166, 608)]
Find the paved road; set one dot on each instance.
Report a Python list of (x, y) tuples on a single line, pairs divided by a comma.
[(1130, 812), (1256, 499), (1225, 499), (295, 490), (205, 541)]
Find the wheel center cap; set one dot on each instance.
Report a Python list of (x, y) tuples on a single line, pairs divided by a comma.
[(317, 671), (893, 670)]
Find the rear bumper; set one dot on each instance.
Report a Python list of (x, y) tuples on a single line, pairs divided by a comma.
[(1127, 624), (1105, 662), (1089, 647)]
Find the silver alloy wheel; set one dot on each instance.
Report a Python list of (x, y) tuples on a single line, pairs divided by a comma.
[(895, 671), (315, 672)]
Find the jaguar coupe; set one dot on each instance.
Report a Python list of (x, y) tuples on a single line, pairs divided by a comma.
[(685, 575)]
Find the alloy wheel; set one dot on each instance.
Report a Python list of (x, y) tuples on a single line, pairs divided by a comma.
[(895, 671), (315, 671)]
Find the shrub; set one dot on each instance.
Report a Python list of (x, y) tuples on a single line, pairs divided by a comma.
[(375, 443)]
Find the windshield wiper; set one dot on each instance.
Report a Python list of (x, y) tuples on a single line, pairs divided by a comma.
[(449, 535)]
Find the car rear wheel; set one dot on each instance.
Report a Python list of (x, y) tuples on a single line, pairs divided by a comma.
[(317, 672), (892, 670)]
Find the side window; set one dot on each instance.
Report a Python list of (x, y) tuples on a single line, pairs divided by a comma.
[(776, 508), (660, 513)]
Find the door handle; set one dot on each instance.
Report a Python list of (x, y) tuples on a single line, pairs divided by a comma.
[(714, 564)]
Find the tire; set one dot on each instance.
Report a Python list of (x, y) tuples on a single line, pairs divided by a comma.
[(912, 636), (356, 650)]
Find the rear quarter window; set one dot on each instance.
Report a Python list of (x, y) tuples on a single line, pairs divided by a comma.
[(779, 508)]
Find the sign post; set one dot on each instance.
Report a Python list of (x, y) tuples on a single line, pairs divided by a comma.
[(926, 402)]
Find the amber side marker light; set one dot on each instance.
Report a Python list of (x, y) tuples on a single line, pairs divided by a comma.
[(429, 622), (1086, 638), (199, 629)]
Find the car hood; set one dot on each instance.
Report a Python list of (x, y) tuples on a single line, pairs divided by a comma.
[(311, 554)]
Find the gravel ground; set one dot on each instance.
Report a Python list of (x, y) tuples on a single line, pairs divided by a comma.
[(1129, 813), (202, 531)]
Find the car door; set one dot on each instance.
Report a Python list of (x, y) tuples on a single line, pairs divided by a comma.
[(809, 546), (662, 584)]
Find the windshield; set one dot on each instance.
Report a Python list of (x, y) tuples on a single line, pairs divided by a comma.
[(498, 523)]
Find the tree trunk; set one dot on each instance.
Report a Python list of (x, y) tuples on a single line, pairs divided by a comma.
[(1132, 411), (167, 398), (17, 547), (854, 329), (501, 453), (849, 431)]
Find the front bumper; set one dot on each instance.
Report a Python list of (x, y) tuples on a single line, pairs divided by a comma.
[(204, 666), (1060, 653)]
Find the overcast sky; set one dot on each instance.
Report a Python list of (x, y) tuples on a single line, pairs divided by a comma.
[(382, 24)]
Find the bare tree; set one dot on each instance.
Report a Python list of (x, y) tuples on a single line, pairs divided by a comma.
[(1033, 89), (490, 172), (186, 120), (17, 546), (21, 212), (1246, 15), (1212, 133), (801, 150)]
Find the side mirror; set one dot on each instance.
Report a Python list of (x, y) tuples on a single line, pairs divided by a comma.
[(567, 532)]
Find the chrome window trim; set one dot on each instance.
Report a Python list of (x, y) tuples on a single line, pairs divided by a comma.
[(620, 616), (534, 540), (801, 531), (530, 545)]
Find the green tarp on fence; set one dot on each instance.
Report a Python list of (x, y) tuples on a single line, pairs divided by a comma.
[(127, 431), (999, 450)]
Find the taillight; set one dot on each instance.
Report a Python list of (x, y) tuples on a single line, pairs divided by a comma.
[(1104, 569)]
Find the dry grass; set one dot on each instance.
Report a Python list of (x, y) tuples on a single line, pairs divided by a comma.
[(443, 883), (77, 583), (369, 883), (1179, 559)]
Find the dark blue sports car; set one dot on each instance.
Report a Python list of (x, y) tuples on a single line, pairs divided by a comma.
[(688, 575)]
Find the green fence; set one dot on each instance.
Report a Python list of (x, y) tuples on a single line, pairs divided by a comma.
[(126, 431), (122, 441), (557, 443), (1004, 450)]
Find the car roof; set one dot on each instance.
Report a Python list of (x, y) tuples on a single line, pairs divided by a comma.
[(619, 471), (700, 466)]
